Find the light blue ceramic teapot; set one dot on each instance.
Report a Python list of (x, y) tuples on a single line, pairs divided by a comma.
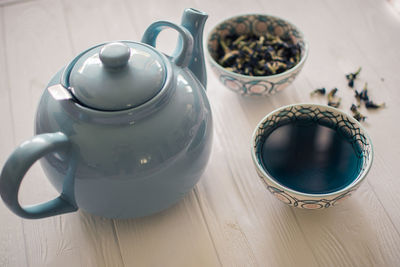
[(123, 130)]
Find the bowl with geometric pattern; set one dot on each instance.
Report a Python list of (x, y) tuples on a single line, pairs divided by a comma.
[(255, 25), (308, 167)]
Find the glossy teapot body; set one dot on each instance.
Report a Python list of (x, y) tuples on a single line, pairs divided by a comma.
[(123, 130), (134, 165)]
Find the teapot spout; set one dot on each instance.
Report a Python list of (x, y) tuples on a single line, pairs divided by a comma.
[(193, 20)]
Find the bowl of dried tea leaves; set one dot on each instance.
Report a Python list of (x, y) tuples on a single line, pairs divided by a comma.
[(256, 54)]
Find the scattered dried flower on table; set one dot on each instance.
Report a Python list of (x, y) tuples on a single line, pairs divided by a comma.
[(334, 104), (364, 93), (352, 76), (332, 93), (356, 114), (359, 96), (371, 105), (363, 96), (319, 91), (332, 100)]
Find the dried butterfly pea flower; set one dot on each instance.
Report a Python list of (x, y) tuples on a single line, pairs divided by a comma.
[(358, 98), (228, 56), (320, 91), (224, 46), (354, 108), (352, 76), (335, 104), (332, 93), (257, 55), (371, 105), (332, 101), (364, 93), (239, 39), (356, 114), (363, 96)]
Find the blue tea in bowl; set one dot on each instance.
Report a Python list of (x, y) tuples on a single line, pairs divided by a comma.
[(311, 156)]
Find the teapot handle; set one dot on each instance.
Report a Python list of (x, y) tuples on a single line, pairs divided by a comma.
[(185, 46), (18, 164)]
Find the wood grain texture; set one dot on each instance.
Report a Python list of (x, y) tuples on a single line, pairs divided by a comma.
[(139, 239), (109, 21), (337, 248), (176, 237), (10, 2), (37, 45), (12, 246), (229, 219), (343, 57), (381, 59)]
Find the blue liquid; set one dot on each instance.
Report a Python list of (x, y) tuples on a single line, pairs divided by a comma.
[(310, 158)]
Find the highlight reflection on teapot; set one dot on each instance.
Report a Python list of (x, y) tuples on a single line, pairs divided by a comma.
[(123, 130)]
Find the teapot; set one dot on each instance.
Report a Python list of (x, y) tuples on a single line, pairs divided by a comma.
[(123, 130)]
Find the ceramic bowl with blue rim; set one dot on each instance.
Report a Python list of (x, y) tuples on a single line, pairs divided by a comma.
[(258, 25), (326, 139)]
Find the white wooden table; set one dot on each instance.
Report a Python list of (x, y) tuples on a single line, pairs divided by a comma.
[(229, 219)]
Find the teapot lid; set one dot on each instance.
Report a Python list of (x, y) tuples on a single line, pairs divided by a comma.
[(116, 76)]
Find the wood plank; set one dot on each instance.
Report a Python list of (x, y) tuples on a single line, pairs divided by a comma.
[(10, 2), (325, 236), (37, 46), (381, 59), (229, 219), (94, 22), (145, 13), (349, 235), (12, 246), (229, 235), (178, 235), (247, 227)]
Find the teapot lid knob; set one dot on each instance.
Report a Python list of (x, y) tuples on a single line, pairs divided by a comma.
[(116, 76), (115, 55)]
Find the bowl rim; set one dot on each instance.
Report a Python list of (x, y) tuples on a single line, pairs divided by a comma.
[(286, 72), (313, 195)]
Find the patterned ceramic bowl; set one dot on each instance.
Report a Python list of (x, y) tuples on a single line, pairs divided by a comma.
[(345, 125), (258, 25)]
